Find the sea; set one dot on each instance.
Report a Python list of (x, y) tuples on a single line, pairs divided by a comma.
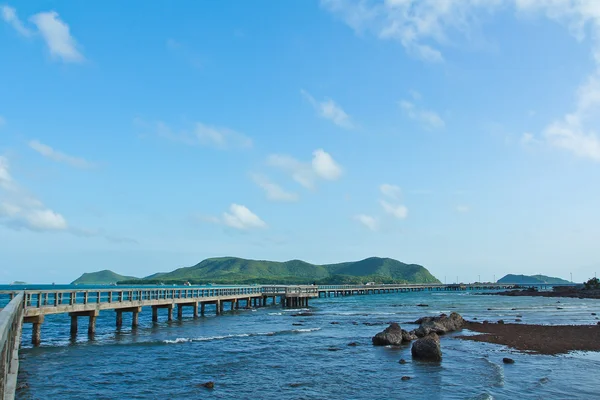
[(269, 353)]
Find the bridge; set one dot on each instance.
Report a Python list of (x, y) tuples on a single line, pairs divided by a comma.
[(30, 307)]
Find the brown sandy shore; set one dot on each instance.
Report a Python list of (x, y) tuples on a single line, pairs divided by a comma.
[(541, 339)]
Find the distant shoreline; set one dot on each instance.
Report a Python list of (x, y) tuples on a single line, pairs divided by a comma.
[(569, 292)]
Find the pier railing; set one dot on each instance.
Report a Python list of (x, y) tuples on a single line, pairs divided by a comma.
[(49, 298), (11, 317)]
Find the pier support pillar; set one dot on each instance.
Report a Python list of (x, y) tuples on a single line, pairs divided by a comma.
[(170, 313), (36, 334), (179, 311), (232, 305), (154, 314), (120, 319), (92, 325), (196, 310), (134, 319), (218, 307), (202, 307), (237, 305), (73, 325)]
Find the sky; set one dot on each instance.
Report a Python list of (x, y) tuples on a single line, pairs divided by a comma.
[(141, 137)]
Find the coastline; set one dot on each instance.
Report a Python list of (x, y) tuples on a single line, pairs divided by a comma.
[(564, 292), (538, 339)]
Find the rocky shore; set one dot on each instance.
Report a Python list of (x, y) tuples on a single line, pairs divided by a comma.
[(573, 292), (541, 339)]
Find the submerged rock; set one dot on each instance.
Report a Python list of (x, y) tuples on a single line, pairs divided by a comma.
[(501, 321), (402, 361), (518, 320), (422, 305), (439, 325), (208, 385), (427, 348), (353, 344), (507, 360), (405, 378)]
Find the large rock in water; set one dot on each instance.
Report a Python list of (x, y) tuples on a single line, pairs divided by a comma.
[(393, 335), (439, 325), (427, 348)]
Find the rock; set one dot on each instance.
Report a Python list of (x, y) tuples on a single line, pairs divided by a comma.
[(422, 305), (405, 378), (209, 385), (402, 361), (489, 309), (519, 316), (593, 313), (354, 323), (353, 344), (392, 335), (427, 348), (507, 360), (22, 386), (295, 385), (559, 308), (486, 322), (518, 320), (334, 323), (297, 324), (501, 322), (475, 319), (408, 336), (598, 323), (333, 349), (513, 309), (439, 325)]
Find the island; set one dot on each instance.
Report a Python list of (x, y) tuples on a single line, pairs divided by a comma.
[(233, 270)]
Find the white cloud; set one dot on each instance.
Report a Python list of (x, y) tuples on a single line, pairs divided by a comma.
[(527, 138), (368, 221), (57, 156), (9, 15), (330, 110), (306, 174), (45, 220), (422, 25), (273, 191), (463, 208), (57, 36), (240, 217), (6, 181), (429, 119), (18, 210), (570, 133), (325, 166), (199, 135), (391, 191), (397, 210)]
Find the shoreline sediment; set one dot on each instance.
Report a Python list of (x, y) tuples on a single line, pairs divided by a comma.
[(539, 339)]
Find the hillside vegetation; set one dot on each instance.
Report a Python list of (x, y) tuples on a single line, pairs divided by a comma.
[(232, 270), (532, 279), (105, 277)]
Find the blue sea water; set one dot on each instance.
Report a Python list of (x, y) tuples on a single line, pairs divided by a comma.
[(265, 354)]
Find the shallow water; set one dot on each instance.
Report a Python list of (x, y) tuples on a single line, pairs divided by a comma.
[(259, 353)]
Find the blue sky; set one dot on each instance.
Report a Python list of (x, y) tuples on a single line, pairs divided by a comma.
[(146, 136)]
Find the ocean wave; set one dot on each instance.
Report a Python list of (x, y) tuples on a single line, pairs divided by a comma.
[(241, 335)]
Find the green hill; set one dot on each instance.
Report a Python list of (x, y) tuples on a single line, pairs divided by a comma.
[(229, 270), (531, 279), (105, 277)]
